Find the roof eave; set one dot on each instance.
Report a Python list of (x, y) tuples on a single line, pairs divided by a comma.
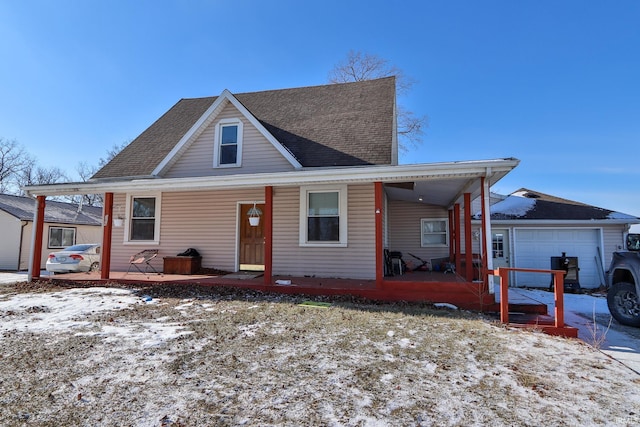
[(493, 170)]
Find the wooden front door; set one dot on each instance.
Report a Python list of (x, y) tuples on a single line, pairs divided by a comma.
[(251, 240)]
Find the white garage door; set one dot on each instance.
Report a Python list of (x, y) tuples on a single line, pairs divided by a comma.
[(533, 248)]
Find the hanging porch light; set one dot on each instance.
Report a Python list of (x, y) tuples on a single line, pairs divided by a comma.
[(118, 219)]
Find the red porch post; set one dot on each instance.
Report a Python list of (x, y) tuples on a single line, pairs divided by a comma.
[(558, 288), (456, 228), (105, 256), (504, 294), (378, 201), (36, 239), (268, 235), (452, 238), (468, 248)]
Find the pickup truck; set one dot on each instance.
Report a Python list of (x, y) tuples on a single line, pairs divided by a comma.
[(623, 279)]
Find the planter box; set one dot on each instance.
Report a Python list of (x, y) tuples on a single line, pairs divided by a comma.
[(182, 264)]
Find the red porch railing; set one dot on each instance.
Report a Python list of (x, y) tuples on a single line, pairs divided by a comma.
[(558, 286)]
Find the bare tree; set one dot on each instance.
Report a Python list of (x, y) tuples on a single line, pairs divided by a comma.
[(32, 174), (360, 66), (18, 169), (86, 171), (13, 161)]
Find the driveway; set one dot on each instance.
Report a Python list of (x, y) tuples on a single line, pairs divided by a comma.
[(590, 314)]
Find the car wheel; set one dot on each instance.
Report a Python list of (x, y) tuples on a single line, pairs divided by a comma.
[(623, 303), (95, 266)]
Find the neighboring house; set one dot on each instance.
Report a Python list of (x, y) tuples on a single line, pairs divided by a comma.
[(65, 224), (529, 227), (320, 166)]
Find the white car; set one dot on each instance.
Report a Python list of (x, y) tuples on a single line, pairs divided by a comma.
[(83, 257)]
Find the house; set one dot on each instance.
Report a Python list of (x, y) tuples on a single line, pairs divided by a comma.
[(529, 228), (65, 224), (316, 168)]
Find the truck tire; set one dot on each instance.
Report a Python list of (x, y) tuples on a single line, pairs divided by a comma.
[(623, 303)]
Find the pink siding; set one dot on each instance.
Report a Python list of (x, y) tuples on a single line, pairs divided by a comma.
[(404, 229), (259, 155), (356, 261), (207, 221), (204, 220)]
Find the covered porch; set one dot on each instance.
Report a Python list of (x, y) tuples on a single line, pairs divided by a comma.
[(447, 189)]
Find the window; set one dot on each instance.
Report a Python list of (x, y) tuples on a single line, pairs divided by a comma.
[(144, 220), (435, 232), (228, 143), (61, 237), (498, 245), (323, 216)]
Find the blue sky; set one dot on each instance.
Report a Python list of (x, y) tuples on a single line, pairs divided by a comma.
[(552, 83)]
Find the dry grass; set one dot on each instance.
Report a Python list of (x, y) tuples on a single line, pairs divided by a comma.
[(245, 358)]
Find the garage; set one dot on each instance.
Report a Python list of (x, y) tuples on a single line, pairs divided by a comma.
[(534, 247)]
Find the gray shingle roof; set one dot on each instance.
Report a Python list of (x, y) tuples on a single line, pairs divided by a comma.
[(348, 124), (525, 204), (59, 212)]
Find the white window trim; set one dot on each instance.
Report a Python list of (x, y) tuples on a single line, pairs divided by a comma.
[(216, 145), (446, 233), (342, 214), (75, 235), (127, 223)]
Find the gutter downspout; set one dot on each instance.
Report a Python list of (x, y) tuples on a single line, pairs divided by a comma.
[(486, 231)]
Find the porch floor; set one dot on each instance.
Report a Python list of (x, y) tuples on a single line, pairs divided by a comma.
[(421, 286)]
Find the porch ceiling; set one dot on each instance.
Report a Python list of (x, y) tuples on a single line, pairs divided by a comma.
[(435, 192)]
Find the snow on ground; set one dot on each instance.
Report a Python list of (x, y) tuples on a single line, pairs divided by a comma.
[(106, 356), (71, 311), (590, 314), (579, 303), (11, 277)]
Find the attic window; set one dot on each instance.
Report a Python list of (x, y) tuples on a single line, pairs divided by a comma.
[(228, 144), (531, 195)]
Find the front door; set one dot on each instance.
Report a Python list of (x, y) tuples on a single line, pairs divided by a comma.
[(251, 239), (500, 247), (500, 251)]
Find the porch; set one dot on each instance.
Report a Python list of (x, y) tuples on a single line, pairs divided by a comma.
[(419, 286)]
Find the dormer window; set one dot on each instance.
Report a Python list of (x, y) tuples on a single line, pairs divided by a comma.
[(228, 144)]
